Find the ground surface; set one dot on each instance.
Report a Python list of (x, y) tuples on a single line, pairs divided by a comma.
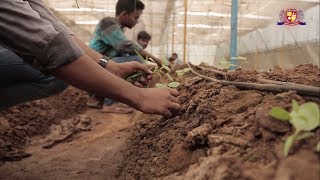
[(221, 132)]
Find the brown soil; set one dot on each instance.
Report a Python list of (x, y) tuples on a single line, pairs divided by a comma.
[(224, 133), (221, 132), (18, 124)]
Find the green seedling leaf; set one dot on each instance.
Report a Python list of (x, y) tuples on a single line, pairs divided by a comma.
[(318, 147), (166, 68), (165, 61), (154, 68), (134, 77), (168, 75), (307, 118), (279, 113), (173, 84), (295, 105), (288, 144), (158, 85), (305, 135), (186, 70), (179, 73), (144, 61), (304, 118)]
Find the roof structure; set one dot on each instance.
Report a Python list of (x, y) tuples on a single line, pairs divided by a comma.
[(208, 21)]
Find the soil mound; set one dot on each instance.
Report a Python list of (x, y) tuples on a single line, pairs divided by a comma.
[(19, 123), (223, 132)]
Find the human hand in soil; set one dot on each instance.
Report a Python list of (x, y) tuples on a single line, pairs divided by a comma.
[(123, 70), (161, 101)]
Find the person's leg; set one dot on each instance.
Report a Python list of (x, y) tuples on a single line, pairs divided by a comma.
[(19, 82)]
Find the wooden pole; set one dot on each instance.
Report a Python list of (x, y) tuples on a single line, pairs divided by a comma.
[(173, 28), (185, 31)]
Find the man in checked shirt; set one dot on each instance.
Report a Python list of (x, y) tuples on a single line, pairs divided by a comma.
[(30, 30)]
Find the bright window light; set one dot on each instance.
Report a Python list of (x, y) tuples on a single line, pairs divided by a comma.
[(84, 10), (205, 26), (87, 22), (215, 14)]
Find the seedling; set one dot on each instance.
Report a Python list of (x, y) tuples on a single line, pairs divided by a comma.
[(304, 119), (182, 72), (240, 60), (163, 69), (226, 64)]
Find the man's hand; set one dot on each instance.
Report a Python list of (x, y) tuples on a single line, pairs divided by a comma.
[(123, 70), (161, 101)]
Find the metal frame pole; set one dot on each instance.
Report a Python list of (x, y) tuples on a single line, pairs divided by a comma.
[(234, 33)]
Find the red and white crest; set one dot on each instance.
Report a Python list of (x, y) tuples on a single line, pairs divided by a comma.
[(291, 16)]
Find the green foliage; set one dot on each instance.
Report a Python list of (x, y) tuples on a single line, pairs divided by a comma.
[(144, 61), (159, 85), (240, 60), (304, 119), (182, 72), (280, 113), (163, 69), (225, 64), (173, 84)]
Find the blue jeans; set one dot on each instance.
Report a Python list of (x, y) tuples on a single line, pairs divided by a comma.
[(121, 60), (19, 82)]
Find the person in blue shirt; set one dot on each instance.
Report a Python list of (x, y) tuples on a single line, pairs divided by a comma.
[(109, 39)]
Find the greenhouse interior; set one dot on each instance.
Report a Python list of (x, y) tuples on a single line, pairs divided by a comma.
[(160, 89)]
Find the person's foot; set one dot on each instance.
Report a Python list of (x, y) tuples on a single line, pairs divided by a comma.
[(117, 109), (95, 102)]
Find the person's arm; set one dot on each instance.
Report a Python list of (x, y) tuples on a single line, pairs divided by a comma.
[(151, 100), (23, 31)]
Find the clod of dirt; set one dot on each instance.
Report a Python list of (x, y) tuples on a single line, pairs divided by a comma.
[(215, 140), (66, 130), (215, 168), (198, 136)]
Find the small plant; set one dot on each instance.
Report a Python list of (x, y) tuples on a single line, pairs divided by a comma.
[(304, 119), (182, 72), (226, 64), (163, 69), (240, 61)]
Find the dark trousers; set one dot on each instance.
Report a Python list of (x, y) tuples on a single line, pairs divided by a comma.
[(19, 82)]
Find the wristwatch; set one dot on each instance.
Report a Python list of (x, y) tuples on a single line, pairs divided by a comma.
[(103, 61)]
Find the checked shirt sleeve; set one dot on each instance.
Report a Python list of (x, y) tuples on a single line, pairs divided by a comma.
[(33, 36)]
